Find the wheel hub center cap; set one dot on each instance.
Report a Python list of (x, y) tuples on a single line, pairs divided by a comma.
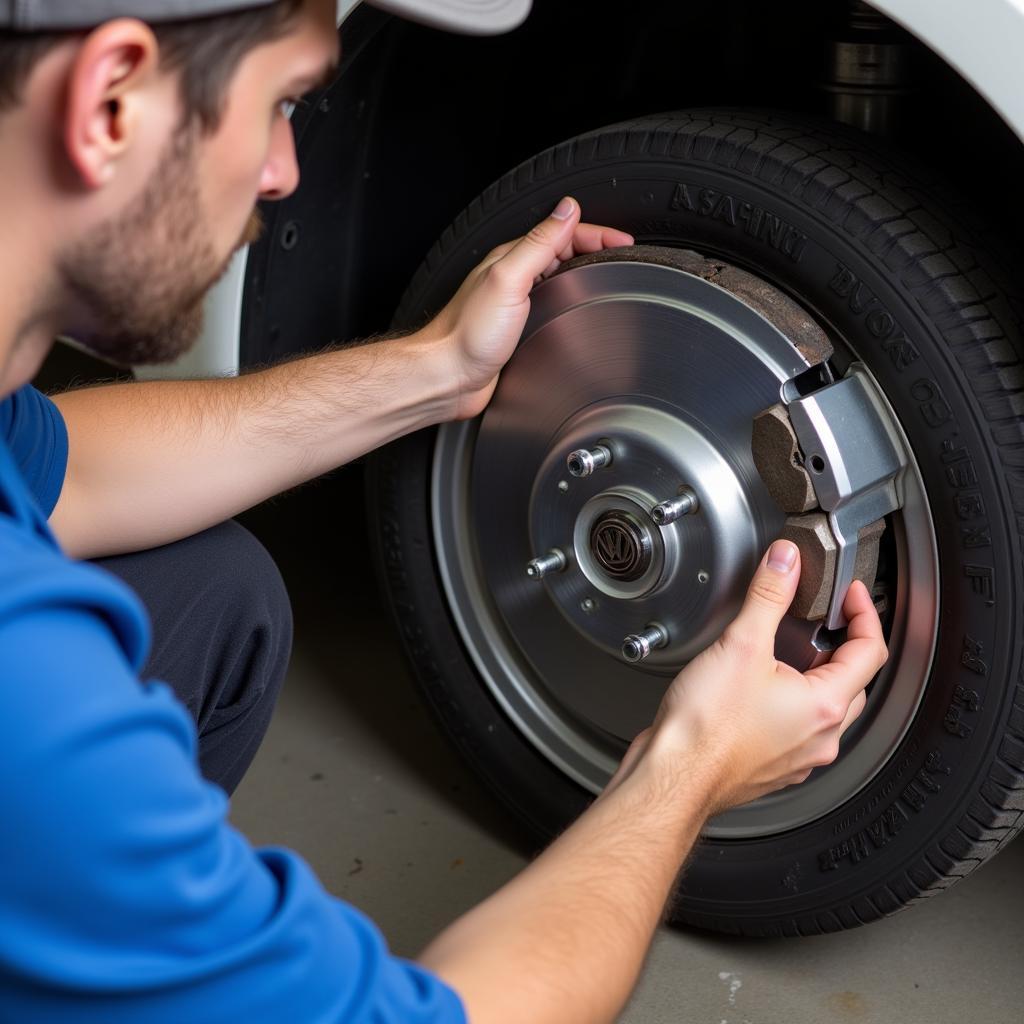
[(621, 546)]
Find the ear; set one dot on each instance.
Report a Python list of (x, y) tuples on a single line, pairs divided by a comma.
[(107, 97)]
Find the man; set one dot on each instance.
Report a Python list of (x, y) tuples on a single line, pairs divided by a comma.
[(132, 151)]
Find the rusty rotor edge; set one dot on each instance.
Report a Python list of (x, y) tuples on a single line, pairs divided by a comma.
[(782, 312)]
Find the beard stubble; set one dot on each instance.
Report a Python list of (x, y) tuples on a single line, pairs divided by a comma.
[(141, 277)]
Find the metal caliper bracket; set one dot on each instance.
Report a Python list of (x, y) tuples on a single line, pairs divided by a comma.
[(839, 441)]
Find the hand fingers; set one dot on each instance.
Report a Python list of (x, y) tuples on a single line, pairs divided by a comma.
[(593, 238), (856, 707), (532, 254), (860, 612), (769, 595), (588, 238), (854, 664), (497, 253)]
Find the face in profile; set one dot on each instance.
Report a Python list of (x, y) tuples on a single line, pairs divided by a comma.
[(142, 276)]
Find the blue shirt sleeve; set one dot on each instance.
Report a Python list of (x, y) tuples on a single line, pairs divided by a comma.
[(127, 896), (34, 432)]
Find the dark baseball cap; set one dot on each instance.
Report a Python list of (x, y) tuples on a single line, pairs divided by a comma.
[(475, 17)]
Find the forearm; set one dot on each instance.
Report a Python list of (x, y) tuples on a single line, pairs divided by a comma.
[(152, 462), (568, 936)]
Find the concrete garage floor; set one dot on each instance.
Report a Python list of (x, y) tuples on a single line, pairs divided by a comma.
[(354, 775)]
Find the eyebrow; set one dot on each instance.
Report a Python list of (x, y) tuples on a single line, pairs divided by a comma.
[(317, 81)]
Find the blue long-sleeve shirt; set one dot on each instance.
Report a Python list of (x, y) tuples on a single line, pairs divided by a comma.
[(126, 895)]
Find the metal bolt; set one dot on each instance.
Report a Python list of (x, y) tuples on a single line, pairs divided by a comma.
[(583, 462), (589, 605), (675, 508), (637, 646), (553, 561)]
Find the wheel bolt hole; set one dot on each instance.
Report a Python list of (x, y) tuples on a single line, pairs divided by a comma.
[(817, 464)]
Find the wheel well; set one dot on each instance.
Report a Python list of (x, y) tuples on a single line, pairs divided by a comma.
[(419, 122)]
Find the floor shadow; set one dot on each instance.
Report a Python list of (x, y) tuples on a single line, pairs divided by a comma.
[(318, 536)]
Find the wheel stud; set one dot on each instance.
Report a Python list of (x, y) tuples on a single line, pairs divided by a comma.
[(637, 646), (553, 561), (583, 461), (675, 508)]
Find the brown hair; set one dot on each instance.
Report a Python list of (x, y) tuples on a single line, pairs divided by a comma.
[(206, 52)]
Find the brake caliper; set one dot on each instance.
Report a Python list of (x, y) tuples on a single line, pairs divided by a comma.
[(831, 460)]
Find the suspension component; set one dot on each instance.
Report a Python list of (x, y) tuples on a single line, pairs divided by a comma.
[(638, 646), (836, 442), (869, 71), (583, 461), (553, 561)]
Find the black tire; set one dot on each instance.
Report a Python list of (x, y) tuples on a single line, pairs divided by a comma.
[(869, 246)]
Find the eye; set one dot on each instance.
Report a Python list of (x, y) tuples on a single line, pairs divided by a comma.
[(287, 106)]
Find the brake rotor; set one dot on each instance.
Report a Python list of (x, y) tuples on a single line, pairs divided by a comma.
[(668, 379), (662, 361)]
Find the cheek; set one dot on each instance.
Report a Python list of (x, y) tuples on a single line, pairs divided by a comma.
[(236, 168), (248, 162)]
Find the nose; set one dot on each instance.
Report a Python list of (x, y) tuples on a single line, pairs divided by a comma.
[(281, 171)]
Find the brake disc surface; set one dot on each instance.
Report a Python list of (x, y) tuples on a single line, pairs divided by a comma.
[(663, 361)]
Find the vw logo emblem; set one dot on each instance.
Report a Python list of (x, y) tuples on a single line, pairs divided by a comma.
[(620, 546)]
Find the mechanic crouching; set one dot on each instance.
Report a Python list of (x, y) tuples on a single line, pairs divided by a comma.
[(136, 137)]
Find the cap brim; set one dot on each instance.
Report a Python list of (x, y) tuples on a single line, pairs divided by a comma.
[(473, 17)]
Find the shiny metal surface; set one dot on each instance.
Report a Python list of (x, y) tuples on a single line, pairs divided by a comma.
[(669, 511), (627, 573), (538, 568), (870, 71), (856, 461), (583, 462), (621, 545), (670, 370), (638, 646)]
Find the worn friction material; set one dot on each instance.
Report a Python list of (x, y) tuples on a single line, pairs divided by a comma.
[(812, 535), (779, 460), (777, 308)]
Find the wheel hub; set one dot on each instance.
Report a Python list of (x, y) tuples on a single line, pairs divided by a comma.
[(678, 574)]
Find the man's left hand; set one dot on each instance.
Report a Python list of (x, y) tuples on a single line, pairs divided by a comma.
[(482, 324)]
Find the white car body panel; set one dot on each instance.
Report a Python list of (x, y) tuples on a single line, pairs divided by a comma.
[(983, 40), (216, 353)]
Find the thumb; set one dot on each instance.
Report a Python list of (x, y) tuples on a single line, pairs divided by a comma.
[(770, 592), (539, 247)]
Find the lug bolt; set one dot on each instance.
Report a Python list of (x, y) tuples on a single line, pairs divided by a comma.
[(583, 462), (553, 561), (637, 646), (675, 508)]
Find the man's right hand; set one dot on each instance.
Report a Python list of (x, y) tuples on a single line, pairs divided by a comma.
[(753, 723)]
